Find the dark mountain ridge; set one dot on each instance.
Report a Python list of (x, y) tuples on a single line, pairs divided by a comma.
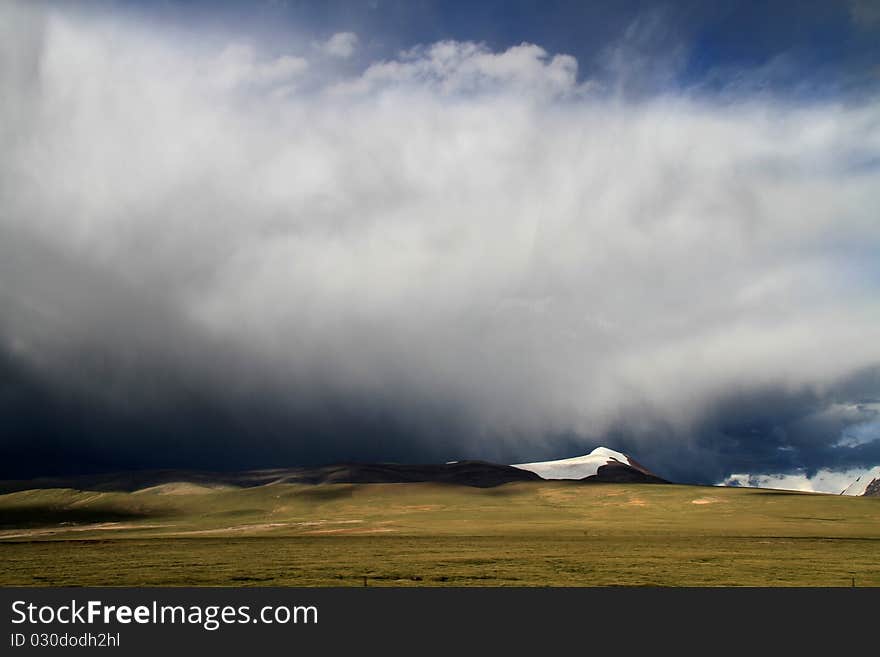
[(480, 474)]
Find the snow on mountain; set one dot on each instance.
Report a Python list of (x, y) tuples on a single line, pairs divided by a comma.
[(866, 484), (581, 467)]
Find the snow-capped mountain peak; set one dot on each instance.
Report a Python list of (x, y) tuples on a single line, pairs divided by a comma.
[(610, 453), (588, 466)]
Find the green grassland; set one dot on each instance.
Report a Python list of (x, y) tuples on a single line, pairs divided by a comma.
[(522, 534)]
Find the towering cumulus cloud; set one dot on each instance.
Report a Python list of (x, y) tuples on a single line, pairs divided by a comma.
[(219, 256)]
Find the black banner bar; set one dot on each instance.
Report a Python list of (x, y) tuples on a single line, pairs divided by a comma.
[(229, 621)]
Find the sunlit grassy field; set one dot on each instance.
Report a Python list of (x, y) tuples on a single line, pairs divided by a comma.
[(524, 534)]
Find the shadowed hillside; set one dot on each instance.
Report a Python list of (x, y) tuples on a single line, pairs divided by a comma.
[(465, 473)]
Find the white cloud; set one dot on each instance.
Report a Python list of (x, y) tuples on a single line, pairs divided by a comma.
[(452, 67), (239, 64), (341, 44), (823, 481)]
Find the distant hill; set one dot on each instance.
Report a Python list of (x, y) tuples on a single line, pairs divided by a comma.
[(866, 485), (465, 473), (600, 465)]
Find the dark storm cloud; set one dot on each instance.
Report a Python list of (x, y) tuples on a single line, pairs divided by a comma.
[(768, 429), (106, 376), (214, 255), (48, 430)]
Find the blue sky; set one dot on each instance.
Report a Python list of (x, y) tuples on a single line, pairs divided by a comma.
[(802, 49)]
